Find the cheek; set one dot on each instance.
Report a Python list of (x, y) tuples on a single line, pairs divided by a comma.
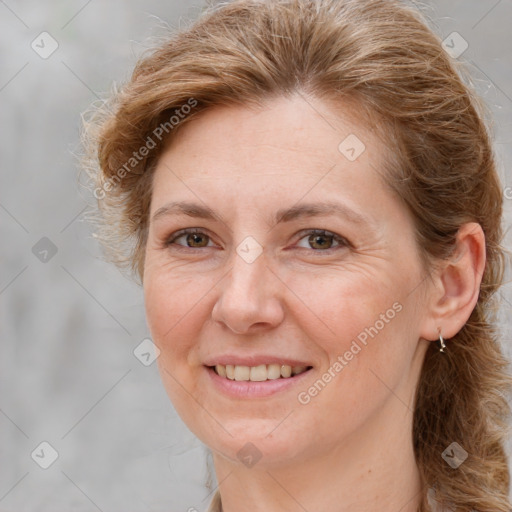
[(340, 305), (174, 312), (364, 332)]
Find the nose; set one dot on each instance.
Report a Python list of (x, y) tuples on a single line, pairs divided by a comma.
[(250, 297)]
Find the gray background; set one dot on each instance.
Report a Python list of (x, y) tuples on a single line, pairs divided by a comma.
[(69, 325)]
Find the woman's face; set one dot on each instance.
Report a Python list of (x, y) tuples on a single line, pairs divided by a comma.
[(255, 287)]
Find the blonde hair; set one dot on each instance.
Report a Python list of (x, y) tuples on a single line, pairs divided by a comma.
[(383, 57)]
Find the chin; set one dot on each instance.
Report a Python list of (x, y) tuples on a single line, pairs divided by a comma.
[(265, 452)]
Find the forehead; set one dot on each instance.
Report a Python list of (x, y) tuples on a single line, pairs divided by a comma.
[(298, 137)]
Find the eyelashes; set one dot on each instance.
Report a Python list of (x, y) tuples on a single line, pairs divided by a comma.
[(316, 236)]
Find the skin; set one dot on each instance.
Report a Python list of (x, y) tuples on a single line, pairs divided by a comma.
[(350, 447)]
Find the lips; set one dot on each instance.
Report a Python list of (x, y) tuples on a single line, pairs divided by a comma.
[(255, 376), (258, 380), (253, 360)]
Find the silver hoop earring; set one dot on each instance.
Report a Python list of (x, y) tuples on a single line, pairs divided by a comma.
[(442, 345)]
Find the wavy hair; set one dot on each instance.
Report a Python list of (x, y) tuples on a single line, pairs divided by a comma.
[(381, 56)]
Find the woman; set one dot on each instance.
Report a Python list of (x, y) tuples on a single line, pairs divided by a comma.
[(307, 192)]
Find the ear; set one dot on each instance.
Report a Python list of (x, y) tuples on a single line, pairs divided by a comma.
[(456, 285)]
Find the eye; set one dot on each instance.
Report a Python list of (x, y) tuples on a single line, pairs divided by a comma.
[(318, 239), (321, 240), (193, 237)]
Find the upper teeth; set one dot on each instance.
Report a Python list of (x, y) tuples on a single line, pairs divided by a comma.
[(258, 373)]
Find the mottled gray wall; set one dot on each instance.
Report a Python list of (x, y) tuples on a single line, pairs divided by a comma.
[(69, 325)]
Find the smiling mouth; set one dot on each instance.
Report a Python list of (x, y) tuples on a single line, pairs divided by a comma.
[(258, 373)]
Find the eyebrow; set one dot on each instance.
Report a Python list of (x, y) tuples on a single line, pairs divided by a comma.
[(199, 211)]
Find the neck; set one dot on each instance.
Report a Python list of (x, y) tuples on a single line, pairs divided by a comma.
[(373, 470)]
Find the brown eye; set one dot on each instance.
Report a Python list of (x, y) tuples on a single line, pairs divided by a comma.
[(197, 240), (322, 241), (193, 239)]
